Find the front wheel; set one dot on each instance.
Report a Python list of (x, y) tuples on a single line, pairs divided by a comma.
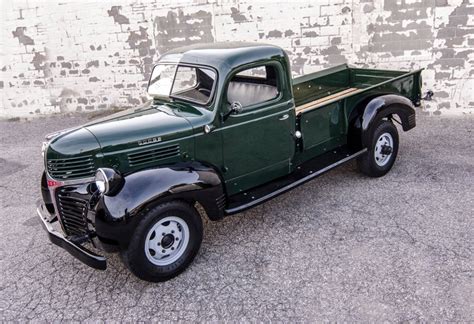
[(165, 242), (382, 151)]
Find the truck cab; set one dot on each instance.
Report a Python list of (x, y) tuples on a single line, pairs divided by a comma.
[(227, 128), (250, 97)]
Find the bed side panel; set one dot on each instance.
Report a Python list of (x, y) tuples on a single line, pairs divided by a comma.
[(323, 128)]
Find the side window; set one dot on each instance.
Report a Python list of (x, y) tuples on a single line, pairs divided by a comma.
[(253, 86)]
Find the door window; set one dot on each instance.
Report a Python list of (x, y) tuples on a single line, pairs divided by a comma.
[(254, 86)]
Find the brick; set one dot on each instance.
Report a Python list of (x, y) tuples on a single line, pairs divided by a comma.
[(328, 30)]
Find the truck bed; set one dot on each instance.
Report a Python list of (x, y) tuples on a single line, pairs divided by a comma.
[(323, 87), (325, 100)]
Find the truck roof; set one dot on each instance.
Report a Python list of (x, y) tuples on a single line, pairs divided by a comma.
[(223, 54)]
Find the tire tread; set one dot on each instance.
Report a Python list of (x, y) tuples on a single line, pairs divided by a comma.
[(366, 163)]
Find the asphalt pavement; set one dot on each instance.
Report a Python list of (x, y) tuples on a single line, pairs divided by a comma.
[(342, 247)]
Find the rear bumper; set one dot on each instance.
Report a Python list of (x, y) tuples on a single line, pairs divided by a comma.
[(76, 250)]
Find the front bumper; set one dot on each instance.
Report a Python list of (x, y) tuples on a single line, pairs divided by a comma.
[(78, 251)]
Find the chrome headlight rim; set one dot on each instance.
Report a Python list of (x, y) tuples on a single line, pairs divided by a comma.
[(101, 181), (108, 181)]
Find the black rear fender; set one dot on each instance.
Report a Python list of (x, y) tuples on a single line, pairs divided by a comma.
[(370, 113)]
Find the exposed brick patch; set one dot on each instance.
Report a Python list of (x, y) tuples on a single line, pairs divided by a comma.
[(38, 61), (237, 16), (19, 33), (118, 18), (177, 29)]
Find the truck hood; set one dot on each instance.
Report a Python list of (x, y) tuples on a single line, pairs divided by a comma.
[(78, 152), (128, 129)]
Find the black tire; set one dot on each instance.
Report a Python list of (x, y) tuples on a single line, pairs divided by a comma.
[(135, 257), (367, 163)]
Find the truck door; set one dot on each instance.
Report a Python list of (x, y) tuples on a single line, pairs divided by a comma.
[(257, 141)]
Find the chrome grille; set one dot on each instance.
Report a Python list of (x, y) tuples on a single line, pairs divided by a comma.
[(153, 155), (73, 214), (71, 168)]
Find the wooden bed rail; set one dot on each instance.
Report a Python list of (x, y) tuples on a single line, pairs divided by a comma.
[(313, 104)]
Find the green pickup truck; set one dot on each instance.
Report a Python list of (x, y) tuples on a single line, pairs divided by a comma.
[(227, 129)]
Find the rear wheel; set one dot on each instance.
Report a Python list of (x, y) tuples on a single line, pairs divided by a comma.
[(382, 150), (165, 242)]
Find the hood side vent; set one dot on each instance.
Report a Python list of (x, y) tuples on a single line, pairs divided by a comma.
[(152, 155), (71, 168)]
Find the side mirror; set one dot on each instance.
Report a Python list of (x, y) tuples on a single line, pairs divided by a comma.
[(428, 96), (235, 108)]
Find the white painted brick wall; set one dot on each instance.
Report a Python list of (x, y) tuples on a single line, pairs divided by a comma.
[(71, 55)]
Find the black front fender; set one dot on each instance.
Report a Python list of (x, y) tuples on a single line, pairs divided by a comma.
[(117, 216), (385, 106)]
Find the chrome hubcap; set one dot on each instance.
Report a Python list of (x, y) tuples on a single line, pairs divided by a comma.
[(167, 240), (383, 149)]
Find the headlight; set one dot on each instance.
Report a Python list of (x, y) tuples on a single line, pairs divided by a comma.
[(108, 181)]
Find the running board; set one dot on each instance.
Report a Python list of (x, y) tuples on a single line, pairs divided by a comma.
[(305, 172)]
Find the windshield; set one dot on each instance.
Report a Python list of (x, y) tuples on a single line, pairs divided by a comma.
[(161, 80), (190, 83)]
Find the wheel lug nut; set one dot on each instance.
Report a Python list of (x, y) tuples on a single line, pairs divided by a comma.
[(172, 248), (159, 244), (177, 239), (163, 251), (172, 232), (163, 234)]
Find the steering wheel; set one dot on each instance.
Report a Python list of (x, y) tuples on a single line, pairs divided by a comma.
[(205, 92)]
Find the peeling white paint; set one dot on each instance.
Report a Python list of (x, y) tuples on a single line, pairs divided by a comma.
[(70, 55)]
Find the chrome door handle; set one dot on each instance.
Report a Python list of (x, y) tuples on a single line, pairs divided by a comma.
[(285, 116)]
